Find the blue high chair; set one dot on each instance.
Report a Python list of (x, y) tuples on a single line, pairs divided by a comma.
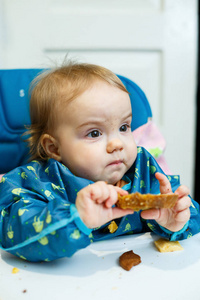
[(14, 113)]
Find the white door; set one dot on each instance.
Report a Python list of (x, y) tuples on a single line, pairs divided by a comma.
[(153, 42)]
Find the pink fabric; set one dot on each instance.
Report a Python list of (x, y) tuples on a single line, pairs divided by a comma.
[(163, 164), (149, 137), (1, 176)]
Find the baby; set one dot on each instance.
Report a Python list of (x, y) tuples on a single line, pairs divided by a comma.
[(83, 155)]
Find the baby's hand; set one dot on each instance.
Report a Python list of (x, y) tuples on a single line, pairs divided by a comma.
[(175, 218), (94, 204)]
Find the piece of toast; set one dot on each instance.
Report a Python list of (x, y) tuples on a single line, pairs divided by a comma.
[(129, 259), (167, 246), (137, 201)]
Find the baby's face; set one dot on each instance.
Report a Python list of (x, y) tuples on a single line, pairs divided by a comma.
[(95, 140)]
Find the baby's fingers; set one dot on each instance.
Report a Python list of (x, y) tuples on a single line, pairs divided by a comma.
[(182, 204), (119, 213), (114, 191), (151, 214), (182, 216), (165, 186), (184, 200), (101, 191), (182, 191), (105, 193)]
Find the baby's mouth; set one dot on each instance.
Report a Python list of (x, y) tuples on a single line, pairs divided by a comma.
[(116, 162)]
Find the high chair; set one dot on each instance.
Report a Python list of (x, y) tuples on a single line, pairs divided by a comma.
[(14, 115)]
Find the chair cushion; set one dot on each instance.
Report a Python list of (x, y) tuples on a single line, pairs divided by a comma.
[(14, 113)]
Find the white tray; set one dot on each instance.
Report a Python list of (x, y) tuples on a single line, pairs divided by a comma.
[(94, 273)]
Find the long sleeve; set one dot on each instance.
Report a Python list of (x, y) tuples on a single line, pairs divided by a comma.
[(144, 181), (39, 220)]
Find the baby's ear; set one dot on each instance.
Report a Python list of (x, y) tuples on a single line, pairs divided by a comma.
[(50, 146)]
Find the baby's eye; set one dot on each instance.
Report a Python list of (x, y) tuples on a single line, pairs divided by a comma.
[(124, 127), (94, 134)]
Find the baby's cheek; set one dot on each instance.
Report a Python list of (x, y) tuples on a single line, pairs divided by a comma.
[(132, 152), (89, 161)]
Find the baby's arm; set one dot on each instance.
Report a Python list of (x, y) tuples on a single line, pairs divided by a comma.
[(36, 229), (95, 204), (38, 218), (173, 219)]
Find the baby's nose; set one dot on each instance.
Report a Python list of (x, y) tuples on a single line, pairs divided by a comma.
[(114, 145)]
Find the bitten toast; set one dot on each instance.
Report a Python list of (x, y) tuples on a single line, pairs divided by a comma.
[(137, 201)]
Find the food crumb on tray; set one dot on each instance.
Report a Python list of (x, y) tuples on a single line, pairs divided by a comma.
[(167, 246), (129, 259)]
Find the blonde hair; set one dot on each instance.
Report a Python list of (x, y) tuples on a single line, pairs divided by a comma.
[(54, 88)]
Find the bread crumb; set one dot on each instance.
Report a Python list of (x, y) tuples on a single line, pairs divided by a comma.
[(167, 246), (15, 270)]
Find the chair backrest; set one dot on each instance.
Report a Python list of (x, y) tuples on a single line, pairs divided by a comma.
[(14, 113)]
